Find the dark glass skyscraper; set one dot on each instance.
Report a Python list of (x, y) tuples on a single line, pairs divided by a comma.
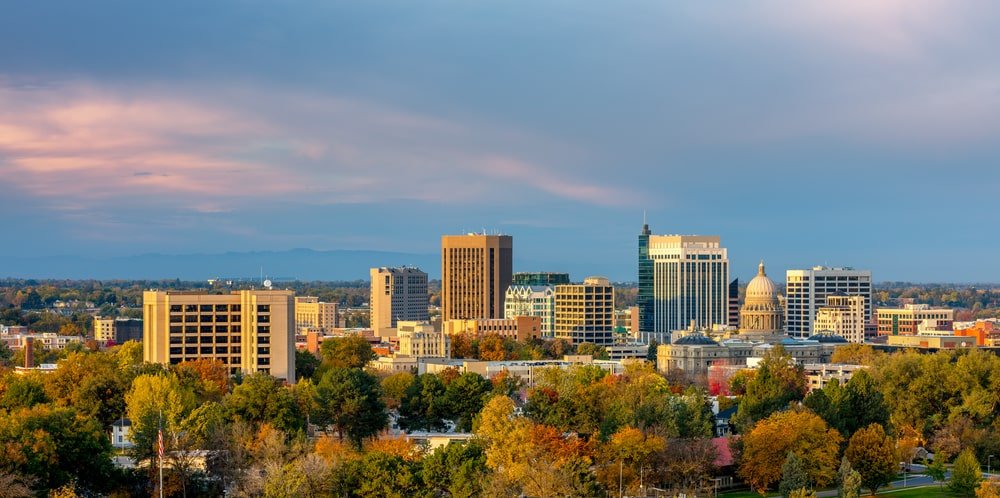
[(644, 299)]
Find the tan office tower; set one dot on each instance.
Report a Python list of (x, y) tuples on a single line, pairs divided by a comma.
[(586, 312), (476, 270), (249, 331), (396, 294)]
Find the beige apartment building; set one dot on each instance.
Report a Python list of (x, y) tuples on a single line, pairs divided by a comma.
[(248, 330), (476, 270), (396, 294), (311, 314), (586, 312), (843, 316)]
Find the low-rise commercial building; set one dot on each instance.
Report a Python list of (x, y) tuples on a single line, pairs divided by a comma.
[(907, 320), (420, 340), (818, 375), (696, 352), (521, 328)]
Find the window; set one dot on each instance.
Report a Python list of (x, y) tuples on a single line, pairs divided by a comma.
[(264, 319), (206, 350), (222, 339), (263, 329), (191, 308), (175, 308), (221, 307), (191, 339), (264, 340), (234, 308), (206, 307), (205, 339), (263, 308), (263, 350), (176, 318)]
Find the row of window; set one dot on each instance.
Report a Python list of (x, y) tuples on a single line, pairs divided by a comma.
[(194, 308)]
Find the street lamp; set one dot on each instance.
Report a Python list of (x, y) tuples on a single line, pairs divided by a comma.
[(902, 465), (989, 467)]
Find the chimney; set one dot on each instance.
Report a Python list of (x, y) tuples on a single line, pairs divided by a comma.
[(29, 352)]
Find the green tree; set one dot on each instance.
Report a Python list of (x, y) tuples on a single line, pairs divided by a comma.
[(352, 351), (936, 470), (871, 453), (394, 388), (306, 364), (456, 470), (651, 351), (424, 406), (965, 474), (793, 475), (466, 396), (862, 404), (351, 401), (589, 348), (261, 398)]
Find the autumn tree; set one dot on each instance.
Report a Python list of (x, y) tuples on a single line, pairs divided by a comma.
[(156, 401), (767, 445), (779, 380), (394, 389), (849, 480), (456, 470), (871, 453), (352, 351)]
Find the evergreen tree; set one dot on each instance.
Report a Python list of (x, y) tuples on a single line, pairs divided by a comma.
[(965, 474), (793, 475)]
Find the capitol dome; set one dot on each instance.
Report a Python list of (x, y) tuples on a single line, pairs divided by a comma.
[(762, 287), (762, 311)]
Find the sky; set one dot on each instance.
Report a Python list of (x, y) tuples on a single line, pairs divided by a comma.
[(851, 133)]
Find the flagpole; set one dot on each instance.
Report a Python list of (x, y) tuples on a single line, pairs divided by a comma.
[(159, 443)]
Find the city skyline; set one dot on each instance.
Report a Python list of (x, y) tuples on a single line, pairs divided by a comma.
[(849, 134)]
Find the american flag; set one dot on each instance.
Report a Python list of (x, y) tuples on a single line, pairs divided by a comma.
[(159, 443)]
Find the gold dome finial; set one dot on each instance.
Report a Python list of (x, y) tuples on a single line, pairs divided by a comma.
[(760, 268)]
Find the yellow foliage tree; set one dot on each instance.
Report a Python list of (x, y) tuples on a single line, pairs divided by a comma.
[(767, 445)]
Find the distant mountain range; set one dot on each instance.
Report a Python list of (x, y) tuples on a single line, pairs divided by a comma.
[(295, 264)]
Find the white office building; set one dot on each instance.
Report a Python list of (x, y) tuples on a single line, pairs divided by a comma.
[(532, 300), (806, 292), (843, 316), (690, 282)]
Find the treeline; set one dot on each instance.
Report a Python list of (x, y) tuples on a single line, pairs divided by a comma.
[(947, 402)]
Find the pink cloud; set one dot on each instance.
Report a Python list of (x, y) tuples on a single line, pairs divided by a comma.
[(75, 143)]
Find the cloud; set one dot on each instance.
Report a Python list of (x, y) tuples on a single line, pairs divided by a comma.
[(211, 149)]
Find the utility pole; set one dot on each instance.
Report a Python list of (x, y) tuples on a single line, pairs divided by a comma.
[(620, 494), (159, 447)]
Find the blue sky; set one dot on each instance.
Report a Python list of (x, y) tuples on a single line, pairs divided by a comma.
[(847, 133)]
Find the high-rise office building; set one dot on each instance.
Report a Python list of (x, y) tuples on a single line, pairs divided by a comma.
[(586, 312), (644, 296), (475, 274), (690, 282), (397, 294), (249, 330), (540, 301), (312, 314), (806, 291)]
